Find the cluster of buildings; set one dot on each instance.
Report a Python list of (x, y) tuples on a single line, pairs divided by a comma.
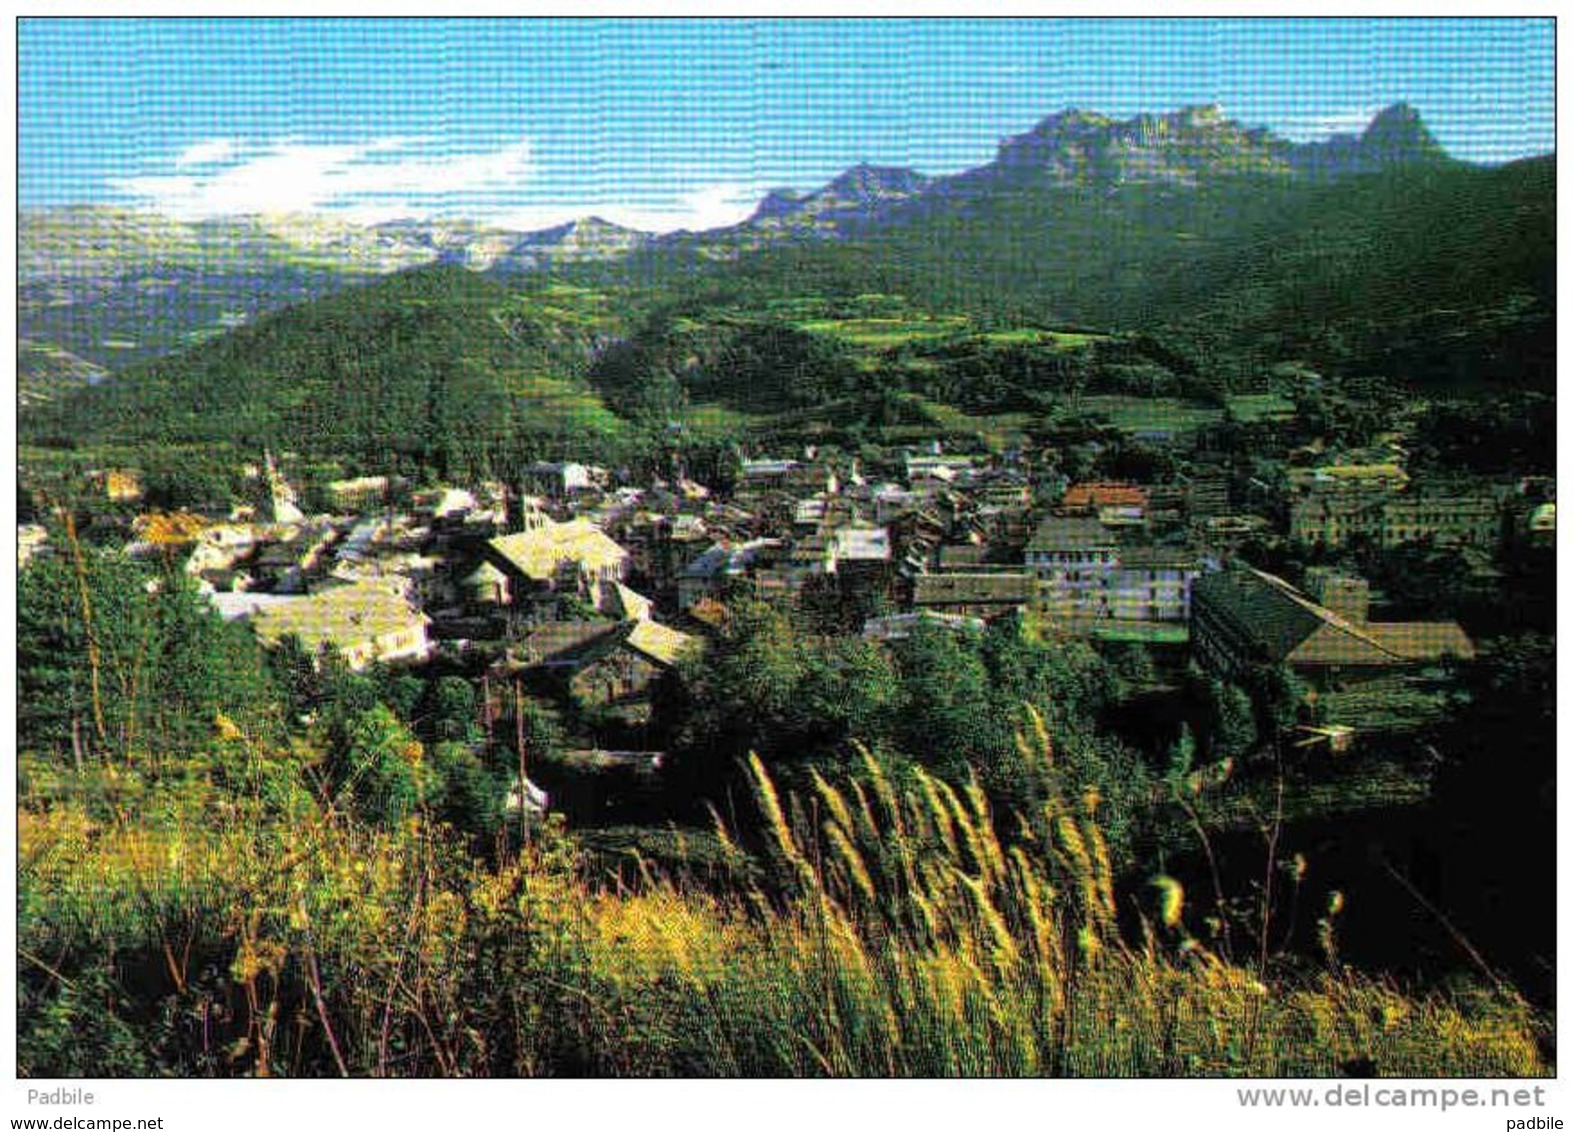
[(1336, 505), (599, 588)]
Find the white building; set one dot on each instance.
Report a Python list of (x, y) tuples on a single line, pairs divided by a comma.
[(1074, 560), (1083, 572)]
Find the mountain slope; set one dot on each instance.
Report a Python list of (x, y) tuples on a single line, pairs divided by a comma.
[(437, 368), (44, 372), (1436, 274), (1428, 269), (1440, 273), (119, 288)]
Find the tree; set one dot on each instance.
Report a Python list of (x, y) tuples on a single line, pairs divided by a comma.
[(951, 702), (294, 672), (381, 767), (1132, 666), (187, 486), (948, 719), (833, 606), (1426, 582), (1233, 731), (1276, 695), (400, 690), (118, 661), (78, 628), (1182, 755), (449, 709), (201, 667), (469, 794), (769, 688)]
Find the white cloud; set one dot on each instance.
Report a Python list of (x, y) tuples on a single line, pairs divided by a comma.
[(711, 206), (396, 176), (486, 171), (293, 176), (214, 152), (396, 142)]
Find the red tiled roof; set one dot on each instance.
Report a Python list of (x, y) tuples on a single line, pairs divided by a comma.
[(1104, 495)]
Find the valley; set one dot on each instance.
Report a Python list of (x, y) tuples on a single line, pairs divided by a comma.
[(1109, 586)]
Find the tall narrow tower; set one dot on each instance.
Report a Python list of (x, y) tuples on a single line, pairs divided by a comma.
[(281, 496)]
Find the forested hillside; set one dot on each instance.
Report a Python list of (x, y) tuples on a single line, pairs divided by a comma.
[(438, 368)]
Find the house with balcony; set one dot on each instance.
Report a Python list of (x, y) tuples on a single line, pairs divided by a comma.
[(1085, 571), (1073, 559), (1154, 583)]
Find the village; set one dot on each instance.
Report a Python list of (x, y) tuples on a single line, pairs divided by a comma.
[(587, 589)]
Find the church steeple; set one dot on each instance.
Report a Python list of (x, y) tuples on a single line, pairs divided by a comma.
[(282, 503)]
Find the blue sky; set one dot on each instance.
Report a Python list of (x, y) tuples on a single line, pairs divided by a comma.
[(685, 123)]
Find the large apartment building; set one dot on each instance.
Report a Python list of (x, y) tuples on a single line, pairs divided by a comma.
[(1083, 572), (1074, 559)]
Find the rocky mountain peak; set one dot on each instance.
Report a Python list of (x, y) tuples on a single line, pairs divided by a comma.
[(1183, 147), (1070, 122), (777, 203), (1197, 143), (1194, 117), (870, 183), (1396, 136), (856, 196), (1398, 133)]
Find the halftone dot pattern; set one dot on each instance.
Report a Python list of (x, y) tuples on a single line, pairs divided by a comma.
[(651, 124), (619, 102)]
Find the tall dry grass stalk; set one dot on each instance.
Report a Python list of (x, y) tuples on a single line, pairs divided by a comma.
[(901, 935)]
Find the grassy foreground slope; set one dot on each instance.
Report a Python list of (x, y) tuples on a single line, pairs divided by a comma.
[(249, 930)]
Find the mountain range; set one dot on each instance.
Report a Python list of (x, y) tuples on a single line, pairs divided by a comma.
[(1084, 217), (89, 244), (1078, 149)]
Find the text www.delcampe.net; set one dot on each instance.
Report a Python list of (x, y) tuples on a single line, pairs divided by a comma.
[(1441, 1098)]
